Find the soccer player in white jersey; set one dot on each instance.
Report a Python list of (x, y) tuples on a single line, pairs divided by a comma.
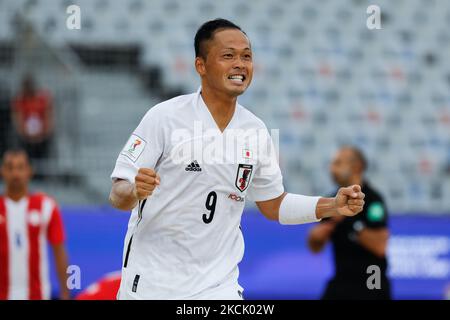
[(184, 239)]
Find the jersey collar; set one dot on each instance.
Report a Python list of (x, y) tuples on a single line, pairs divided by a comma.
[(206, 116)]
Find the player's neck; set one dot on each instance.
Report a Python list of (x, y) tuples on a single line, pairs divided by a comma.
[(220, 106), (16, 195)]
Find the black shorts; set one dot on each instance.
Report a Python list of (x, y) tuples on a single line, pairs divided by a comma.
[(345, 289)]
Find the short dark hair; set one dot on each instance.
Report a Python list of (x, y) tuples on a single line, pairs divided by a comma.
[(16, 152), (206, 33)]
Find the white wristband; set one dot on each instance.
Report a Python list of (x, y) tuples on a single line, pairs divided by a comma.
[(298, 209)]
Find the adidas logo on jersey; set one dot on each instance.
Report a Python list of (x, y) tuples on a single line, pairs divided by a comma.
[(193, 166)]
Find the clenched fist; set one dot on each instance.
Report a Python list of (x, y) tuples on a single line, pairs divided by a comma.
[(349, 201), (145, 182)]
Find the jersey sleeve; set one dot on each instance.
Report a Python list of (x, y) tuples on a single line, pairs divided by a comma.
[(267, 181), (142, 150), (55, 230), (376, 215)]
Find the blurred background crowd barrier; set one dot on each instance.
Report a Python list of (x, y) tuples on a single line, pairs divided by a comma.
[(321, 76)]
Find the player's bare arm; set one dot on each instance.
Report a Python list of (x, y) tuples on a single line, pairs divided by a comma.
[(348, 201), (320, 234), (374, 240), (125, 195), (59, 251)]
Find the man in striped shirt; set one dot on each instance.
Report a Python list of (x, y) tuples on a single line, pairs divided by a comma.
[(28, 222)]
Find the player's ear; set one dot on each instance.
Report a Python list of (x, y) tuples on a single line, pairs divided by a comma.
[(359, 168), (200, 66)]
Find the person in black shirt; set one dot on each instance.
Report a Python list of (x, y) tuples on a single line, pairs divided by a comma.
[(359, 242)]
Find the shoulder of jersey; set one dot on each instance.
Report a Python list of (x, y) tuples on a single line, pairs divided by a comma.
[(250, 116), (376, 195), (43, 196), (39, 194), (168, 108), (173, 104)]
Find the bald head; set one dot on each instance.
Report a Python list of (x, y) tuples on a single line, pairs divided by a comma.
[(356, 156), (348, 165)]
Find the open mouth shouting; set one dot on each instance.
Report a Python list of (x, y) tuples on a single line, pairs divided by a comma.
[(237, 78)]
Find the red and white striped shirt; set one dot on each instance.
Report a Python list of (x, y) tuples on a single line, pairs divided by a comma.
[(26, 227)]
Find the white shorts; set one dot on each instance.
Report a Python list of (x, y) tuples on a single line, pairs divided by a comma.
[(227, 291)]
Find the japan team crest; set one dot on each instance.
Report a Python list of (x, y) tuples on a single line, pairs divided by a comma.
[(243, 175)]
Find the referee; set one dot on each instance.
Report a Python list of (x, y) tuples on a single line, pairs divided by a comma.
[(359, 241)]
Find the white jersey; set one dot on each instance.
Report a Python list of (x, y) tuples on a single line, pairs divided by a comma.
[(185, 240)]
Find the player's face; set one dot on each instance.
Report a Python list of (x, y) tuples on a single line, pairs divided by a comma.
[(16, 171), (342, 167), (229, 67)]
